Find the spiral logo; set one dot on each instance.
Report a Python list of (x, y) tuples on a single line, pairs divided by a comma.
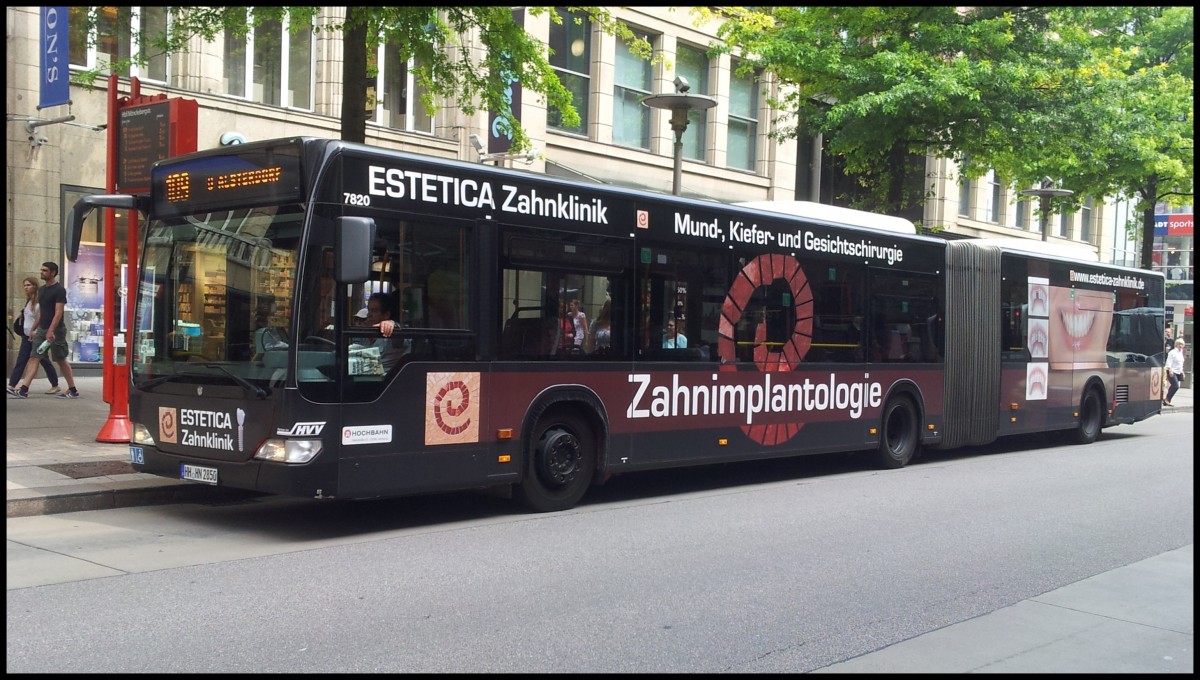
[(167, 422), (643, 219), (449, 405), (453, 408), (765, 270)]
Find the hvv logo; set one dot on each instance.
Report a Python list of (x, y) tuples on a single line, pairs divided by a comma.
[(303, 430)]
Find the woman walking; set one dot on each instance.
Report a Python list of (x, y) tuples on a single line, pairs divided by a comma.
[(28, 323)]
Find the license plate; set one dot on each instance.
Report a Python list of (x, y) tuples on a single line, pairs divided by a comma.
[(135, 455), (197, 473)]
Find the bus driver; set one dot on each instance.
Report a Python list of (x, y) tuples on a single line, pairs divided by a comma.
[(379, 315)]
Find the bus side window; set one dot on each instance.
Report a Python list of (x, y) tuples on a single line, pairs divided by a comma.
[(838, 322), (445, 299), (904, 309)]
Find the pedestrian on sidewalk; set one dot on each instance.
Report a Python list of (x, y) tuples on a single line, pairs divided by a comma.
[(1174, 370), (50, 336), (25, 326)]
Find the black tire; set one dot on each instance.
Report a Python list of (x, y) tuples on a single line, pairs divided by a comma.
[(560, 458), (1091, 418), (899, 434)]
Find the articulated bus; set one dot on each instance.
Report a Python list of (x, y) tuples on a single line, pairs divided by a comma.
[(549, 335)]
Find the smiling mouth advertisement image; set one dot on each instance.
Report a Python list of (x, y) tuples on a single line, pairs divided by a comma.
[(1079, 324)]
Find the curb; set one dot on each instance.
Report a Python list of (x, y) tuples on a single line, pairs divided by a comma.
[(109, 498)]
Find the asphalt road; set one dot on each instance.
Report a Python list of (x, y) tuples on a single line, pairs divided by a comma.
[(777, 566)]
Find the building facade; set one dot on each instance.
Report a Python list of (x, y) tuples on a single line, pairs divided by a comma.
[(284, 81)]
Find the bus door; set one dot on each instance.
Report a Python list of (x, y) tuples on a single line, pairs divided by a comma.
[(421, 286)]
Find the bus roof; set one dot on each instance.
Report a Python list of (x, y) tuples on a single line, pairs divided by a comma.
[(1072, 251), (836, 214)]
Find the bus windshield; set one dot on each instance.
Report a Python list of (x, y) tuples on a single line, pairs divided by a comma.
[(216, 294)]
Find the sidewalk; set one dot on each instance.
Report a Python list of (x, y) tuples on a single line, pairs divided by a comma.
[(55, 464)]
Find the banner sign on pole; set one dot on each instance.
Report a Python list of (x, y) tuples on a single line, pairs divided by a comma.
[(55, 78), (500, 126)]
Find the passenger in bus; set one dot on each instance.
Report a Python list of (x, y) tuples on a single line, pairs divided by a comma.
[(565, 336), (673, 339), (580, 322), (600, 334), (380, 315)]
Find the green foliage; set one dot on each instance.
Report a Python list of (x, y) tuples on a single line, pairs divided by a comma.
[(1098, 97), (436, 36)]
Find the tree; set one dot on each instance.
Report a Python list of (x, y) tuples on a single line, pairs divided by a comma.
[(433, 35), (1142, 111), (1098, 97)]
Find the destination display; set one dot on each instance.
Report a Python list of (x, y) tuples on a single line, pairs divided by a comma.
[(239, 179)]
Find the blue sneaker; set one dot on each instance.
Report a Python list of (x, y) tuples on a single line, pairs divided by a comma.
[(22, 393), (69, 394)]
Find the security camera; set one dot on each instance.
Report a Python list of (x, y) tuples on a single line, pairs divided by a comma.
[(38, 140), (682, 85), (477, 142)]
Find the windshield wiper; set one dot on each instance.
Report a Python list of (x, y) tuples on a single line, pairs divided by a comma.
[(254, 389), (153, 382)]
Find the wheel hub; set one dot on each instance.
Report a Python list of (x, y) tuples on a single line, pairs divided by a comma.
[(560, 456)]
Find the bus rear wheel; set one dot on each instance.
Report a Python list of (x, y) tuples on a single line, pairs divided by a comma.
[(1091, 416), (559, 463), (899, 434)]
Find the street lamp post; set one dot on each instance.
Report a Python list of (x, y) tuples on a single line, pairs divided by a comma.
[(1045, 193), (679, 104)]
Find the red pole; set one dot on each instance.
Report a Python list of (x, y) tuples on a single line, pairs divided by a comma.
[(115, 377)]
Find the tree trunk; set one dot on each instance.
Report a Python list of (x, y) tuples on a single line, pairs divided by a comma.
[(354, 77), (897, 165), (1149, 198)]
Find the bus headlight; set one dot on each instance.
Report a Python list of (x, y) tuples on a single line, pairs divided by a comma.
[(140, 435), (288, 450)]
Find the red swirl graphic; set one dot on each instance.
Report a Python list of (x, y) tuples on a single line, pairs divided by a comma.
[(166, 425), (643, 219), (763, 271), (452, 409)]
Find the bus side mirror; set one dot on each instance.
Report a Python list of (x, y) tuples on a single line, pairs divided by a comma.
[(354, 237), (73, 227)]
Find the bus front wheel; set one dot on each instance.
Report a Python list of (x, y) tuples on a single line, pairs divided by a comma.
[(899, 433), (559, 463)]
